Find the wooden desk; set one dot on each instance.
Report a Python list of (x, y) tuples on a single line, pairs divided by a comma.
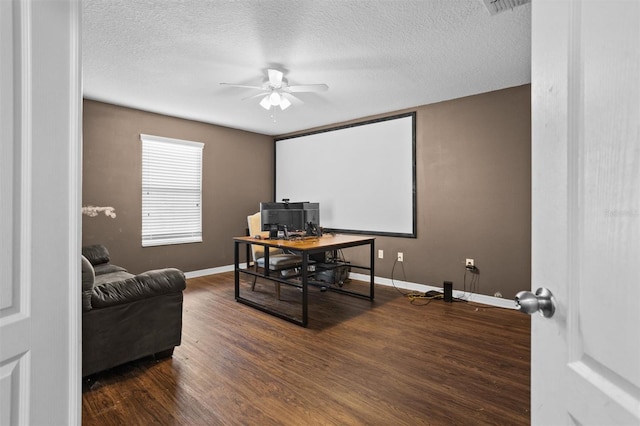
[(305, 247)]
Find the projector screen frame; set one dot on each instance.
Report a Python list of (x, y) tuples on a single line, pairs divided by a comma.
[(413, 190)]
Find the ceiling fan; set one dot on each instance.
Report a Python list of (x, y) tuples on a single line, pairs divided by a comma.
[(277, 92)]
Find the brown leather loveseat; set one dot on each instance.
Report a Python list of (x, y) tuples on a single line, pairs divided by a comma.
[(126, 316)]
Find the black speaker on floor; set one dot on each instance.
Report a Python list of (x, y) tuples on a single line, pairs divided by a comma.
[(448, 291)]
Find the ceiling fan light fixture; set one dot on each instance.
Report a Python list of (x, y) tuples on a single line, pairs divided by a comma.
[(284, 103), (275, 98), (276, 91), (265, 103)]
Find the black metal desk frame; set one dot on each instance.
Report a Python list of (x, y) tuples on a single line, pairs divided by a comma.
[(305, 248)]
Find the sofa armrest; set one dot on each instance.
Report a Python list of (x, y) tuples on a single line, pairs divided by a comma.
[(142, 286), (96, 254), (88, 279)]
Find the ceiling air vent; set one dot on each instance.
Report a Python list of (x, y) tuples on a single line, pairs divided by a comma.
[(497, 6)]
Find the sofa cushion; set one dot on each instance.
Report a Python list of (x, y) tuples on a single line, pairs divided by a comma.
[(138, 287), (118, 275), (97, 254), (107, 268)]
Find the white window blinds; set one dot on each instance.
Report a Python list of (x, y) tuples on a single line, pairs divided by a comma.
[(171, 191)]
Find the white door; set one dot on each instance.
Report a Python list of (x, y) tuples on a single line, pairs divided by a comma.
[(40, 163), (586, 211)]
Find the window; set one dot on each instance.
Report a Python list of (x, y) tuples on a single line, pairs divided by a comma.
[(171, 191)]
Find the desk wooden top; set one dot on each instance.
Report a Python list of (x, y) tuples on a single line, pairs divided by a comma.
[(326, 242)]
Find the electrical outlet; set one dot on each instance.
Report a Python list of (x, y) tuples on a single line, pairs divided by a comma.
[(400, 256), (380, 254), (469, 262)]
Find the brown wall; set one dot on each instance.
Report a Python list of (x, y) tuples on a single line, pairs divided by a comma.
[(473, 167), (237, 175), (473, 171)]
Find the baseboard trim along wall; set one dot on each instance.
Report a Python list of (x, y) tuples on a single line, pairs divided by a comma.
[(468, 296), (211, 271), (405, 285)]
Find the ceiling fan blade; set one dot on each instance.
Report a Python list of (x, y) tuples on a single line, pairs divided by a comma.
[(262, 93), (275, 78), (242, 86), (291, 98), (308, 88)]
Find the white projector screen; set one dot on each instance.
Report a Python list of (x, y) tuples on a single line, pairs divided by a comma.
[(363, 175)]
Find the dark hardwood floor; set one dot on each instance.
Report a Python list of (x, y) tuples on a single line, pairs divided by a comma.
[(388, 362)]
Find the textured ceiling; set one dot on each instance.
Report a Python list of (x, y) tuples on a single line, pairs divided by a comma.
[(376, 56)]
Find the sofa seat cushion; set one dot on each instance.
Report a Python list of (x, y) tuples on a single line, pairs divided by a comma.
[(118, 275), (107, 268)]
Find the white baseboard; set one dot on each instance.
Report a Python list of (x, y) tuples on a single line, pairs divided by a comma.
[(471, 297), (212, 271)]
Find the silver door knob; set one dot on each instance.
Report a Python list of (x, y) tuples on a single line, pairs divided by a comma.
[(541, 301)]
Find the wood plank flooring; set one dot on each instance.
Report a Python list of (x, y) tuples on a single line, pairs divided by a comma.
[(387, 362)]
